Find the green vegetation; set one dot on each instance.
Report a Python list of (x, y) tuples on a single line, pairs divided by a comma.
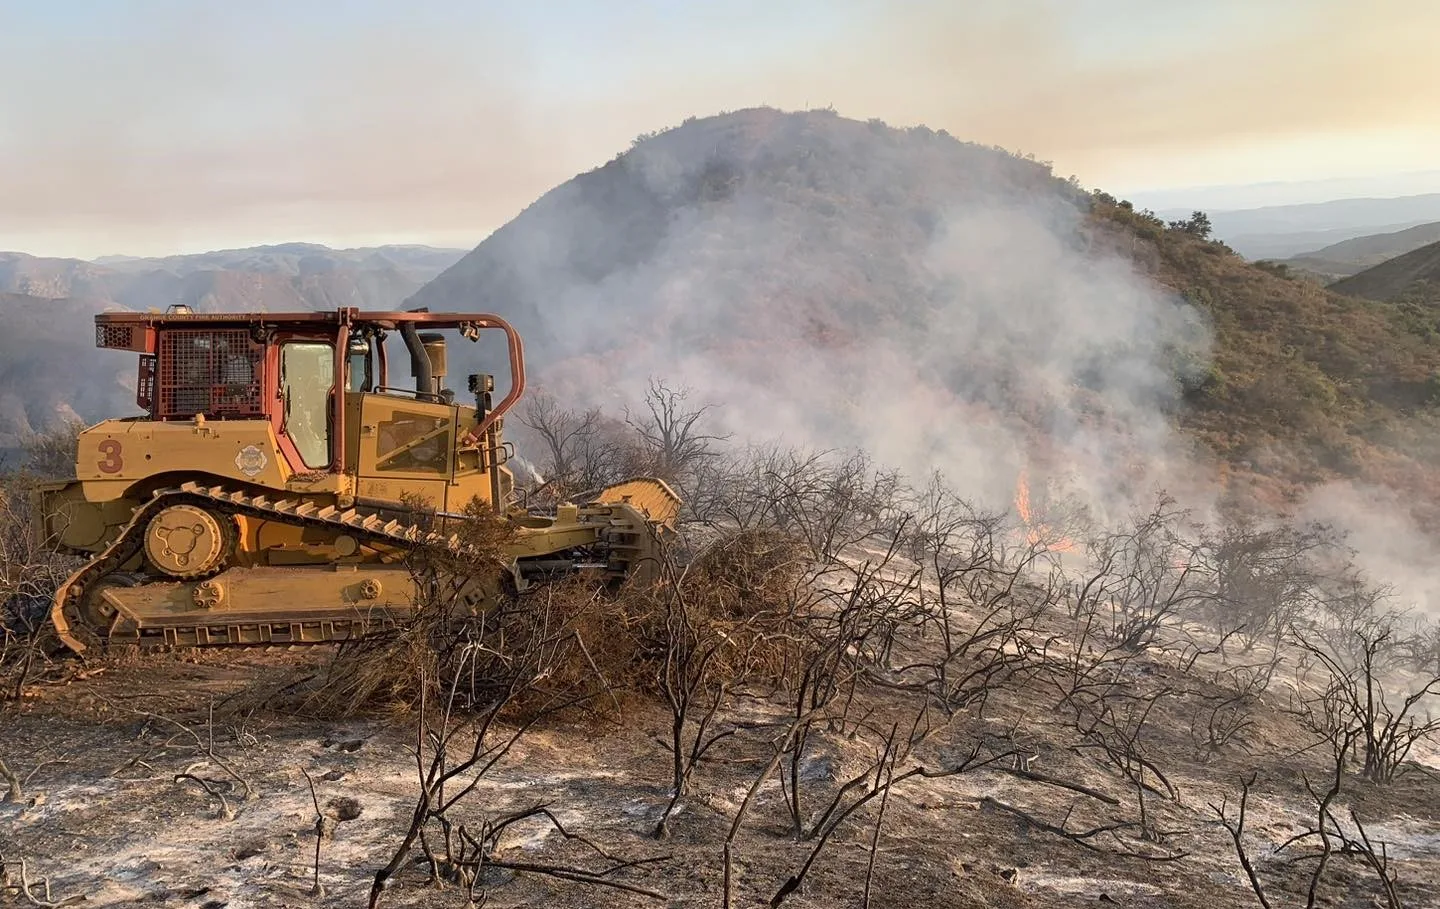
[(1304, 384)]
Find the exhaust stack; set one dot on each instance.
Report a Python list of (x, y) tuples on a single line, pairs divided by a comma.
[(419, 359), (434, 345)]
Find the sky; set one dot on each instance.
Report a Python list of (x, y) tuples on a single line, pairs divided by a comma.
[(158, 126)]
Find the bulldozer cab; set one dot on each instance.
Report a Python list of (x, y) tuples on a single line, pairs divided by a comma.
[(336, 408)]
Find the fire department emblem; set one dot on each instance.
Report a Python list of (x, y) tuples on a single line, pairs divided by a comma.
[(251, 460)]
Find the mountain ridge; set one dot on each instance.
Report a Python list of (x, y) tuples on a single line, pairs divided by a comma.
[(1349, 257), (57, 277), (1414, 275), (1282, 231), (50, 371)]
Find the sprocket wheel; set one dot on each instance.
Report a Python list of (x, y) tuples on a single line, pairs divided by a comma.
[(187, 542), (90, 616)]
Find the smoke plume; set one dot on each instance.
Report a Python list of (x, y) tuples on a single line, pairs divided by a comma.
[(830, 284), (837, 285)]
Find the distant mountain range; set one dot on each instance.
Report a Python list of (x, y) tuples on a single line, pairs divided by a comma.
[(1282, 231), (288, 276), (1238, 196), (1349, 257), (50, 369)]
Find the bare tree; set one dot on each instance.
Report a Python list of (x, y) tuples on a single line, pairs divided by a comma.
[(847, 631), (1236, 829), (30, 571), (579, 450), (876, 781), (562, 435), (1327, 833), (977, 591), (729, 625), (1265, 577), (833, 501), (1159, 576), (1422, 649), (691, 690), (491, 694), (1358, 696), (673, 434)]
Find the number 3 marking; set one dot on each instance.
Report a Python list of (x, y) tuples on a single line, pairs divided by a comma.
[(111, 463)]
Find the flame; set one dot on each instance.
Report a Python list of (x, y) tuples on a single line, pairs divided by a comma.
[(1022, 497), (1036, 533)]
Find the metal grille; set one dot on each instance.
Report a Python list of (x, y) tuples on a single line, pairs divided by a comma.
[(145, 385), (115, 336), (214, 372)]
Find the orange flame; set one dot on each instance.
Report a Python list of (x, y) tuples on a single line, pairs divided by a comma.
[(1022, 497), (1036, 534)]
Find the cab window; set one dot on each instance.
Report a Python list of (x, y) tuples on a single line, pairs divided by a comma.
[(307, 370), (414, 443)]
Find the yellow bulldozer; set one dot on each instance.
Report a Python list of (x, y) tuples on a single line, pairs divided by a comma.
[(277, 485)]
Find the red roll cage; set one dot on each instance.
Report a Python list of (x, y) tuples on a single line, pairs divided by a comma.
[(141, 333)]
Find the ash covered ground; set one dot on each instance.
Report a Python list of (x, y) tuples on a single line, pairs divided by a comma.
[(160, 779)]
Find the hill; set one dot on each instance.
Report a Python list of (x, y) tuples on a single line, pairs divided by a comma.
[(288, 276), (50, 370), (948, 306), (1243, 196), (1415, 274), (1279, 231), (1348, 257)]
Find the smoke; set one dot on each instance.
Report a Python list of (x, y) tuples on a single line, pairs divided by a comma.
[(1388, 543), (837, 285), (824, 283), (526, 472)]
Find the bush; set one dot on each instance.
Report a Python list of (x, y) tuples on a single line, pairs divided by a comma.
[(567, 639), (1197, 224)]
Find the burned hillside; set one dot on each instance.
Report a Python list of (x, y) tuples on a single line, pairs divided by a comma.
[(842, 690), (949, 306)]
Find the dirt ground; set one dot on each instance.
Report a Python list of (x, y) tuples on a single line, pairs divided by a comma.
[(106, 818)]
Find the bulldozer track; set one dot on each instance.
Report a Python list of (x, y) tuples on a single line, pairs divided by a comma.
[(365, 527)]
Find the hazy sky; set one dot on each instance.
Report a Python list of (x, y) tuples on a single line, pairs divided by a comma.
[(150, 127)]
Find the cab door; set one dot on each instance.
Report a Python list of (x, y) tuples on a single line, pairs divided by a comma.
[(406, 447), (306, 390)]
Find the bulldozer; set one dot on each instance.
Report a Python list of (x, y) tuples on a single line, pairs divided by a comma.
[(278, 482)]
